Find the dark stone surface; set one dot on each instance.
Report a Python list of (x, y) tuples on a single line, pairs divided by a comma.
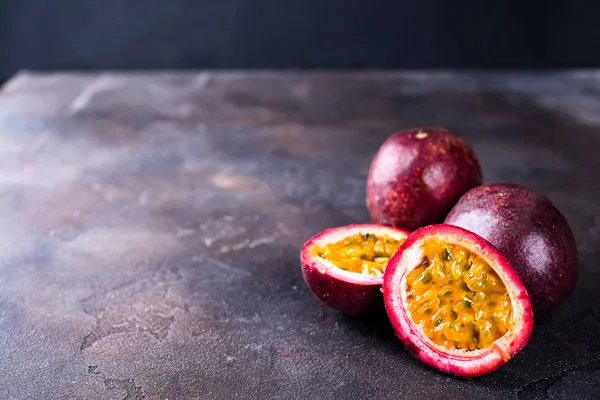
[(152, 226)]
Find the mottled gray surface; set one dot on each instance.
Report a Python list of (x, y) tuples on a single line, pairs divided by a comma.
[(152, 223)]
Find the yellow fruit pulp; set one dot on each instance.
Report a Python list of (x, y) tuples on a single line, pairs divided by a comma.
[(364, 253), (457, 298)]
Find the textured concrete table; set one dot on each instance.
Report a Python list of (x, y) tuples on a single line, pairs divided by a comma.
[(151, 225)]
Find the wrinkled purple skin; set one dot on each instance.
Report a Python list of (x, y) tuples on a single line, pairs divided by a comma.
[(418, 175), (530, 232)]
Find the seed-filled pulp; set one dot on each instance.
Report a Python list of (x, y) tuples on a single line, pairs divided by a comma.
[(457, 298), (364, 253)]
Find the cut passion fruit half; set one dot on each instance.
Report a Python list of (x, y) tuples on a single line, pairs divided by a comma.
[(344, 266), (455, 302)]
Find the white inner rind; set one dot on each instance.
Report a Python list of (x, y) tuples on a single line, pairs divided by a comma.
[(413, 257), (339, 234)]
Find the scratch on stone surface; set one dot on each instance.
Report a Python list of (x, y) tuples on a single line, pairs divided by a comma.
[(96, 86), (209, 241), (283, 229), (235, 182), (185, 232), (247, 244), (225, 233), (132, 391), (260, 241), (228, 267)]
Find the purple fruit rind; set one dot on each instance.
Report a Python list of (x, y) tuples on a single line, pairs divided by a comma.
[(417, 175), (456, 362), (348, 292)]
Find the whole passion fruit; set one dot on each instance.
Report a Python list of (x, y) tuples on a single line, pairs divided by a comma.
[(344, 266), (417, 175), (530, 232), (455, 302)]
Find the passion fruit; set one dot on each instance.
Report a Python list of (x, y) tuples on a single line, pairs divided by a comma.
[(455, 302), (530, 232), (417, 175), (343, 267)]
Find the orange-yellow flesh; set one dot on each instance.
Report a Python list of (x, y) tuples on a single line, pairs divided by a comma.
[(457, 298), (364, 253)]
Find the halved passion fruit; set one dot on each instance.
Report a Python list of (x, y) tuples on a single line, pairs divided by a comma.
[(344, 266), (455, 302)]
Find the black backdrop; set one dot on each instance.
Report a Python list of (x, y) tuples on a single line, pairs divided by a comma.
[(143, 34)]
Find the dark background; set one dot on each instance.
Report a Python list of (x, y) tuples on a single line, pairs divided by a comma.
[(195, 34)]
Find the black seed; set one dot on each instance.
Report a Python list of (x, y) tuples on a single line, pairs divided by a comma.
[(476, 336), (445, 254), (427, 278)]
